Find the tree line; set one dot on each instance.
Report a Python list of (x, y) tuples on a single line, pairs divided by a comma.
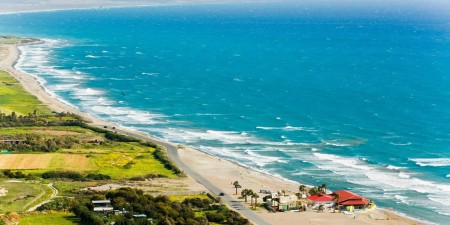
[(158, 210)]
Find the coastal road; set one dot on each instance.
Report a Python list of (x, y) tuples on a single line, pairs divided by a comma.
[(172, 151)]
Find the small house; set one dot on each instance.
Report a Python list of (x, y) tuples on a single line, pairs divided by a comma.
[(288, 202), (102, 206), (12, 142), (321, 199)]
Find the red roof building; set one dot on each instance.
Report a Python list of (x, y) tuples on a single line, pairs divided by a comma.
[(320, 198), (347, 198)]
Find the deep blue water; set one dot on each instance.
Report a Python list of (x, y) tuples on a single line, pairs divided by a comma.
[(353, 96)]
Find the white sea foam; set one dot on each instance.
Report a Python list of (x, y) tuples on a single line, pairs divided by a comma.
[(435, 162), (92, 56), (286, 128), (394, 167), (361, 173), (404, 175), (127, 115), (62, 87), (402, 199), (400, 144), (87, 92), (150, 74), (337, 144)]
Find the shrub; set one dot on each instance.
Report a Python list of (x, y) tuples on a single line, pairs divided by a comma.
[(160, 153), (138, 178), (99, 176), (215, 217), (62, 174)]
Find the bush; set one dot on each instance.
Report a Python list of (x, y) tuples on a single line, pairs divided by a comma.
[(99, 176), (215, 217), (138, 178), (57, 204), (161, 154), (62, 174)]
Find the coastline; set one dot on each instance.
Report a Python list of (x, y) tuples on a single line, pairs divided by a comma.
[(201, 163), (59, 5)]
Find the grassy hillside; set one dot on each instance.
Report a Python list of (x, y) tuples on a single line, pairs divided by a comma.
[(14, 98)]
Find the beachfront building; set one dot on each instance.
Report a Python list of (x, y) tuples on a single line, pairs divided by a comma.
[(288, 202), (351, 201), (326, 200), (283, 202)]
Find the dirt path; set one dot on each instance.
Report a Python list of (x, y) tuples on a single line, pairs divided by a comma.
[(55, 193)]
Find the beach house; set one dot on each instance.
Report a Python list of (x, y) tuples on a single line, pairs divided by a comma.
[(350, 201), (326, 200), (283, 202)]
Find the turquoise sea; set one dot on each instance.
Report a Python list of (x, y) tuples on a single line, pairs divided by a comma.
[(356, 96)]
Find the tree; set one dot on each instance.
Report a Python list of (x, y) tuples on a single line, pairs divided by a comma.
[(236, 185), (245, 193), (255, 196), (250, 193), (336, 199), (302, 189), (313, 191), (322, 188)]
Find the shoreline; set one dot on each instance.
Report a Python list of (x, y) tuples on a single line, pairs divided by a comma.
[(58, 5), (196, 160)]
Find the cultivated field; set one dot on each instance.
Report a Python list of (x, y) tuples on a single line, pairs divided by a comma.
[(44, 161), (59, 218)]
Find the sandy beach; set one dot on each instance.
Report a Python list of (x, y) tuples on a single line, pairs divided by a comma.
[(218, 172)]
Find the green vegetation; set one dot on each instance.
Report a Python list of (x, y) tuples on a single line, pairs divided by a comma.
[(90, 151), (22, 195), (16, 40), (181, 198), (60, 218), (159, 210), (14, 98)]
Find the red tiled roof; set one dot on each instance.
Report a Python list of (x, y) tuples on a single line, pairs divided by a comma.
[(363, 201), (320, 198), (350, 198)]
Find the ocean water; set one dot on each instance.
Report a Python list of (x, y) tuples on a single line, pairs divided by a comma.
[(356, 96)]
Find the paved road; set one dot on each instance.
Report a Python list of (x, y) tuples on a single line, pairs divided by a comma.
[(173, 154)]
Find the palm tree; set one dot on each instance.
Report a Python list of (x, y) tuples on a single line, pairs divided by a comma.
[(245, 193), (250, 193), (302, 189), (256, 196), (323, 188), (236, 185), (313, 191), (336, 199)]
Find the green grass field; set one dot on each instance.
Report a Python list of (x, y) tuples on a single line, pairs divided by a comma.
[(14, 98), (59, 218), (181, 198), (22, 195), (120, 160)]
